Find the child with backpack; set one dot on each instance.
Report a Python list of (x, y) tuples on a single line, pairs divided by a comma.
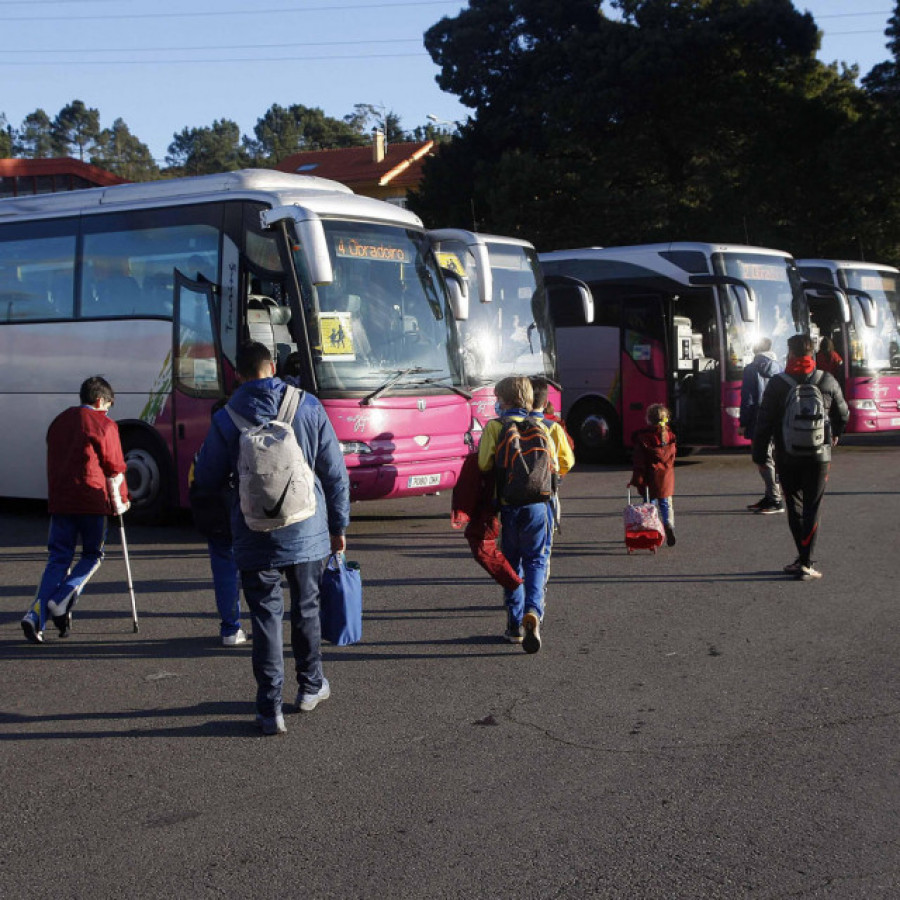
[(519, 450), (803, 410), (654, 465)]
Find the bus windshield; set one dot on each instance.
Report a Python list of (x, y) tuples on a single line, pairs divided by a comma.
[(874, 345), (780, 305), (512, 334), (384, 316)]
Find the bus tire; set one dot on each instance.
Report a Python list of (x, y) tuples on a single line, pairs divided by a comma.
[(596, 430), (148, 475)]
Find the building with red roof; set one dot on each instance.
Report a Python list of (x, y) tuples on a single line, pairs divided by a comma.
[(21, 177), (380, 170)]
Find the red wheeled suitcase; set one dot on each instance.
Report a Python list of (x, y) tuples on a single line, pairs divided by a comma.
[(643, 526)]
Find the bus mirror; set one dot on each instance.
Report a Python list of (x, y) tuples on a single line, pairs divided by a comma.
[(867, 304), (475, 245), (826, 287), (746, 301), (743, 293), (570, 301), (459, 294), (311, 234)]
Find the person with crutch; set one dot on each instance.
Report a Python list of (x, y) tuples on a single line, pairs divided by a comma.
[(83, 451)]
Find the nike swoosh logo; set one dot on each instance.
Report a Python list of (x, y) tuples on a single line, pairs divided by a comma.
[(276, 509)]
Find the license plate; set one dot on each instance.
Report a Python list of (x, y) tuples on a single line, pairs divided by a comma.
[(419, 481), (895, 423)]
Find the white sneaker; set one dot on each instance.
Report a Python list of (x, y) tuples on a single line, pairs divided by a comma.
[(808, 573), (232, 640), (308, 702)]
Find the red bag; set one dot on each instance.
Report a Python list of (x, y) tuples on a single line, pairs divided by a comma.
[(643, 526)]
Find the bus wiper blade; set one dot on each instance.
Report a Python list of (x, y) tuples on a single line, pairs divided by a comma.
[(452, 387), (397, 376)]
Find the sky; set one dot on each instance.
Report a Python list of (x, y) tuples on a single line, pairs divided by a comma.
[(177, 64)]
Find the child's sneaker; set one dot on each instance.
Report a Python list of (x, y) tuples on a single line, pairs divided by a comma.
[(307, 702), (531, 640), (271, 725), (670, 536), (63, 624), (513, 634), (31, 630), (236, 639)]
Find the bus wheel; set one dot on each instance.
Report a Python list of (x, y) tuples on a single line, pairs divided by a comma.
[(147, 476), (595, 429)]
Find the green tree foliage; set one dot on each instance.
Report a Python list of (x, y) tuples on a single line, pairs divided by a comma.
[(205, 151), (6, 137), (119, 151), (678, 119), (34, 139), (283, 131), (75, 130)]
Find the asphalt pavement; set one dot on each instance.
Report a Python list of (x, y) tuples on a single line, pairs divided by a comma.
[(695, 725)]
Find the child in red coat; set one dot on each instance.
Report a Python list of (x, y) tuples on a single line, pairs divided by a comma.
[(654, 465)]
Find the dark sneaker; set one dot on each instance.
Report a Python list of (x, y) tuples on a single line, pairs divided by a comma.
[(513, 634), (307, 702), (32, 632), (63, 624), (753, 507), (808, 573), (670, 536), (531, 640), (771, 507), (271, 725), (793, 568)]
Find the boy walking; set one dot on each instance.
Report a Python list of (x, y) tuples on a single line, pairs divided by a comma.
[(295, 551), (83, 451), (510, 445), (803, 472)]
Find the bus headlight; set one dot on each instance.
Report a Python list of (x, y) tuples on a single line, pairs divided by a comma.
[(733, 411), (359, 447), (865, 405)]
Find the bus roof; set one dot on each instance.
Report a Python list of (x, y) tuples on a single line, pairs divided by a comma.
[(836, 264), (321, 195), (630, 250)]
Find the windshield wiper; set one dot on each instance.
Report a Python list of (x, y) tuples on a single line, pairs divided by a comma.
[(394, 378), (452, 387)]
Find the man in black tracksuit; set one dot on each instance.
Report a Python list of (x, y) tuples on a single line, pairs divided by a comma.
[(802, 478)]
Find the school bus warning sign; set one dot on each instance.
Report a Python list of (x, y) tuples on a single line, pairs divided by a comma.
[(336, 329)]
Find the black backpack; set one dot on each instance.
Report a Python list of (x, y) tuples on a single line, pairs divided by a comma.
[(524, 462)]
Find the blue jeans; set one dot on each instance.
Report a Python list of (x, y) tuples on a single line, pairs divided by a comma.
[(264, 595), (62, 582), (666, 507), (525, 538), (226, 586)]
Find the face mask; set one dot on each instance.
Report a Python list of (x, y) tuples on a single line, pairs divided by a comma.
[(498, 409)]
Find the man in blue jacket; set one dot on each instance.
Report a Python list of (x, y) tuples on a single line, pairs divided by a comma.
[(297, 552), (756, 377)]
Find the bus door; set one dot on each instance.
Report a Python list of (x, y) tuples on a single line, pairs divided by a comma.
[(695, 369), (643, 360), (196, 371)]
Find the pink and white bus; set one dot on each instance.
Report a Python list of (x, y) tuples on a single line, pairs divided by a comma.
[(510, 331), (154, 285), (673, 323), (857, 305)]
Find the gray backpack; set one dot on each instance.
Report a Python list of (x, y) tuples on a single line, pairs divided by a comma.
[(804, 424), (276, 485)]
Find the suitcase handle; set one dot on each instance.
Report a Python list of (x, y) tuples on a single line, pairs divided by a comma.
[(628, 494)]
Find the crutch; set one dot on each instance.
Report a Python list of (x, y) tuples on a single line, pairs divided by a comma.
[(134, 617)]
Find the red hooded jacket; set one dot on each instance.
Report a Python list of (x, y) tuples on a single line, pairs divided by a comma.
[(83, 450)]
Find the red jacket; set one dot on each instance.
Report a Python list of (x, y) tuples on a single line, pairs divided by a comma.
[(473, 502), (83, 450), (654, 462)]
